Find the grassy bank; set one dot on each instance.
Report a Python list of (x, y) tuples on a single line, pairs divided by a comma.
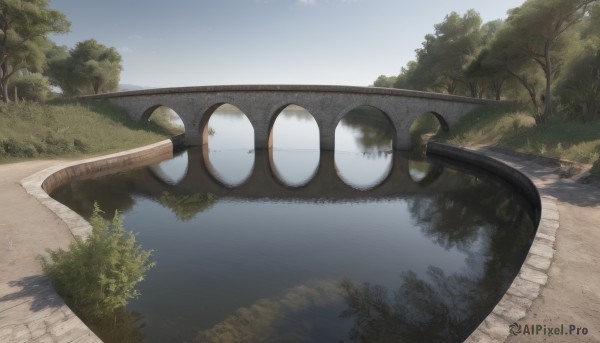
[(65, 129), (510, 126)]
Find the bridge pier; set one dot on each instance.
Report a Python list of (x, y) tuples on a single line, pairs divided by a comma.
[(401, 140)]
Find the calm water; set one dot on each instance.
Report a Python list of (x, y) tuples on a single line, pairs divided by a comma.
[(297, 245)]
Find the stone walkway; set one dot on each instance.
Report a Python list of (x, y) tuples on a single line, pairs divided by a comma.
[(30, 311), (571, 294)]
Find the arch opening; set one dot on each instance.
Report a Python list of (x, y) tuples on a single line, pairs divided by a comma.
[(165, 118), (173, 170), (228, 137), (294, 139), (426, 126), (424, 172), (363, 147)]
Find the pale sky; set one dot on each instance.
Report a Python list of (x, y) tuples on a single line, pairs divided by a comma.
[(219, 42)]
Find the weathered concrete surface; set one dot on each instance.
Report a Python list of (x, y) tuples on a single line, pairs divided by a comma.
[(558, 281), (262, 104)]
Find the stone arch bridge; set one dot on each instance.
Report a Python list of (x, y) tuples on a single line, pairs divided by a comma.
[(263, 103)]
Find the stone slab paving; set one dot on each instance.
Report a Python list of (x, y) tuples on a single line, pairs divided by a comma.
[(30, 310), (31, 222)]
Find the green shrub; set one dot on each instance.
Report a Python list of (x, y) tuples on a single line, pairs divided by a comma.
[(12, 147), (98, 276), (30, 86)]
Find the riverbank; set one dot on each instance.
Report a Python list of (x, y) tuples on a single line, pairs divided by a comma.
[(70, 129)]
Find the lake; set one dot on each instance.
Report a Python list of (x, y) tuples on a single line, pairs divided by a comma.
[(294, 244)]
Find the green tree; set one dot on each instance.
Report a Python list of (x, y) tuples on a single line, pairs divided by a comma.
[(385, 81), (90, 68), (535, 33), (24, 26), (456, 41), (580, 88), (98, 275), (29, 86)]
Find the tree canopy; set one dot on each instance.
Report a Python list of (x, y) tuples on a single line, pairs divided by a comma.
[(88, 68), (529, 53), (24, 26)]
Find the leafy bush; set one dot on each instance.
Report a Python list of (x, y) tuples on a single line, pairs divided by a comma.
[(98, 276), (14, 148), (30, 86)]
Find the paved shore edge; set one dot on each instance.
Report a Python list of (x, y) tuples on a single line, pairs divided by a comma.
[(41, 184), (533, 274), (495, 328)]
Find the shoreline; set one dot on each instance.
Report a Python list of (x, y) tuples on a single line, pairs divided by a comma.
[(518, 303)]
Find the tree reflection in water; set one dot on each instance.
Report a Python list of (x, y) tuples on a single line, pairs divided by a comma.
[(447, 308), (375, 132), (122, 326)]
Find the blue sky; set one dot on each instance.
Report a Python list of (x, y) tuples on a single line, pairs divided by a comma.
[(212, 42)]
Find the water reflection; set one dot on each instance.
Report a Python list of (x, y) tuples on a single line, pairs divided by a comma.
[(363, 153), (120, 326), (441, 306), (295, 152), (231, 141), (274, 319), (423, 252), (172, 171)]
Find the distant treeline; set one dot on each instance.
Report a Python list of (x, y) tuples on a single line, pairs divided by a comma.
[(547, 52)]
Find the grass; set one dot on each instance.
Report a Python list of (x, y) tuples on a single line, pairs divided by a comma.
[(61, 128), (510, 126)]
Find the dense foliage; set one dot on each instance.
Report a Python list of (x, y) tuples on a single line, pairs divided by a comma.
[(88, 68), (546, 52), (98, 275)]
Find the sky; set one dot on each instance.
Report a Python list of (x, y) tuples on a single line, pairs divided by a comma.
[(220, 42)]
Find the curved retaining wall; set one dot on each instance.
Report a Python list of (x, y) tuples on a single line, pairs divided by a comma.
[(46, 181), (533, 274), (495, 328)]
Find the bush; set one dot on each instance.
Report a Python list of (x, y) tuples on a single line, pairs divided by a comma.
[(12, 147), (30, 86), (98, 276)]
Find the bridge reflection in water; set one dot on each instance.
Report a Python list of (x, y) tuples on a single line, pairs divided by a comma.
[(264, 180), (430, 246)]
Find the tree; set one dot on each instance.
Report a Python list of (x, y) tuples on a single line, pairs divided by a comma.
[(24, 26), (385, 81), (30, 86), (535, 33), (456, 41), (90, 68)]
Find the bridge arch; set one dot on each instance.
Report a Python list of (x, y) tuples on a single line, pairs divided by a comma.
[(207, 115), (294, 136), (372, 109), (165, 117), (286, 107)]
